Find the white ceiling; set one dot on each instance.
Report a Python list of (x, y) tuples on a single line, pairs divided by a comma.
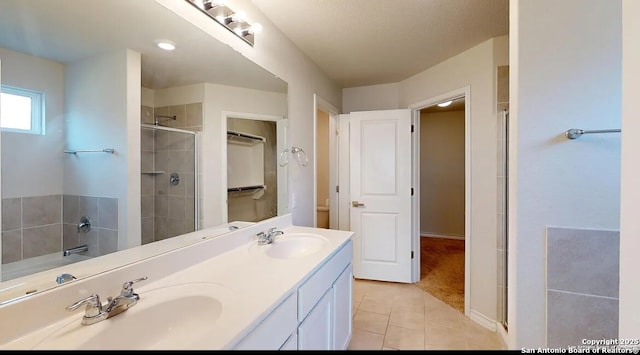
[(368, 42), (70, 30)]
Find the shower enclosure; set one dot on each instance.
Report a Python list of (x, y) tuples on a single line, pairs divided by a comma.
[(169, 182)]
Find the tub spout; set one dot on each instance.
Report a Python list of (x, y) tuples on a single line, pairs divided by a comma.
[(75, 250)]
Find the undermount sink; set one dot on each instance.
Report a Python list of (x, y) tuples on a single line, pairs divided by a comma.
[(293, 245), (171, 317)]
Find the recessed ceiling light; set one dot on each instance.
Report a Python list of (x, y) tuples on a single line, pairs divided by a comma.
[(166, 45), (445, 104)]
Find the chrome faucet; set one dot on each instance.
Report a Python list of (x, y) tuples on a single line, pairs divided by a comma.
[(124, 300), (75, 250), (93, 312), (96, 311), (269, 237)]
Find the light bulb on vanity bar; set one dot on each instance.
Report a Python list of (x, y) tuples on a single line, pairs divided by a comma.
[(251, 30)]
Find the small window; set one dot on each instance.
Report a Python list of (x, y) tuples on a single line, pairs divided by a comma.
[(21, 110)]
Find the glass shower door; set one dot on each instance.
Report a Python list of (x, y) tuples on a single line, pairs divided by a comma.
[(169, 187)]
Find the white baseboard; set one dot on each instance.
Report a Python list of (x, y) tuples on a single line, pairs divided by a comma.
[(433, 235), (504, 335), (483, 320)]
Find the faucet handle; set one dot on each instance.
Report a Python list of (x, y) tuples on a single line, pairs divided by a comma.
[(272, 229), (126, 287), (94, 306)]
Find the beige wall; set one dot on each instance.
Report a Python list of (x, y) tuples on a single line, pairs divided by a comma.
[(630, 189), (276, 53), (442, 173), (564, 72), (322, 168), (475, 68), (38, 168)]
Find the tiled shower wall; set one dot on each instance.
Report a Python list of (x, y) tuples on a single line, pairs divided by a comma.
[(582, 285), (40, 225), (168, 210)]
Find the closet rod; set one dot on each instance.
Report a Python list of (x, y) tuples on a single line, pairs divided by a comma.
[(245, 188), (244, 135)]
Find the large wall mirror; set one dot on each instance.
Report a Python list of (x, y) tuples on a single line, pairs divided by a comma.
[(110, 143)]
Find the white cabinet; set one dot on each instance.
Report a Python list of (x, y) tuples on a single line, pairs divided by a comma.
[(342, 292), (328, 325), (316, 331), (317, 316), (275, 330), (324, 305)]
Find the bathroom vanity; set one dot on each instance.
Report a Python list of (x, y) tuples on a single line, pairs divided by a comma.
[(224, 292)]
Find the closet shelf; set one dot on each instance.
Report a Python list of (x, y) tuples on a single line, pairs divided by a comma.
[(245, 188), (239, 137)]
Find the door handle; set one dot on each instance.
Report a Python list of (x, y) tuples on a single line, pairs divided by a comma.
[(356, 204)]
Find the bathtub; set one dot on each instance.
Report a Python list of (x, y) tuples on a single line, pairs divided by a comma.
[(18, 269)]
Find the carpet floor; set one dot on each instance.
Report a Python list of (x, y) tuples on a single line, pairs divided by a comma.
[(442, 270)]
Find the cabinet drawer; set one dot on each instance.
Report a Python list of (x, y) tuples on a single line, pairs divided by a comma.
[(312, 290), (274, 330)]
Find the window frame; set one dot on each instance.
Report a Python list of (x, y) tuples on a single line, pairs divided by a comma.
[(37, 109)]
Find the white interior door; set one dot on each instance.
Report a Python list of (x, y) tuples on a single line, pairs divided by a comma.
[(380, 190)]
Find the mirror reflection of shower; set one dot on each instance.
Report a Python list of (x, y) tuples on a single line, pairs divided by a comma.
[(169, 137), (164, 118)]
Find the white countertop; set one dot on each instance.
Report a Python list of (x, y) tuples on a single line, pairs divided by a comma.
[(19, 287), (253, 284)]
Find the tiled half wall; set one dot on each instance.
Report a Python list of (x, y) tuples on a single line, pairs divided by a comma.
[(582, 285)]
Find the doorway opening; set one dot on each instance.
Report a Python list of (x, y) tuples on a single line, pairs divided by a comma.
[(442, 199), (441, 205), (326, 153), (256, 185)]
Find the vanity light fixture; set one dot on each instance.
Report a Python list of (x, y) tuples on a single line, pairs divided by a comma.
[(445, 104), (253, 29), (234, 21)]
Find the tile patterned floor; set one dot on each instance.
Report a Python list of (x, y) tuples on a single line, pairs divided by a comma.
[(393, 316)]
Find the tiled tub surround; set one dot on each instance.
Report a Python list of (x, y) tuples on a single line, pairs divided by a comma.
[(258, 284), (31, 226), (168, 210), (42, 225), (582, 285)]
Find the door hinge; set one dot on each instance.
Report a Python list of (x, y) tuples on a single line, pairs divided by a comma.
[(337, 132), (338, 188), (412, 191), (412, 254), (411, 128)]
